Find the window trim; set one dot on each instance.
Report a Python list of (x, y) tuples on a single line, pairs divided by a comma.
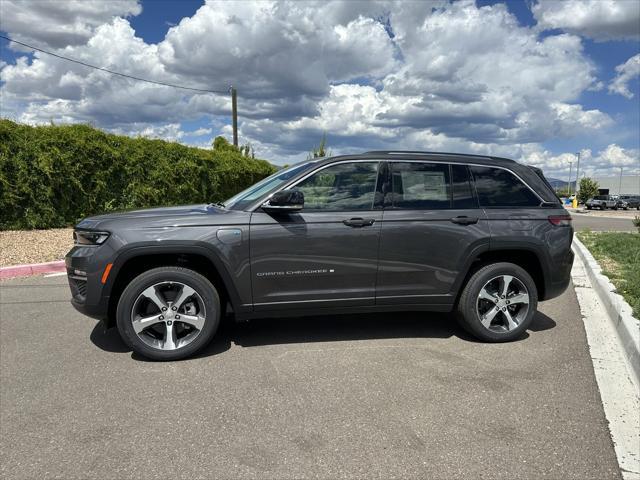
[(257, 205)]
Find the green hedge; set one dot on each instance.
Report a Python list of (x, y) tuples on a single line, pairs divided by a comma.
[(52, 176)]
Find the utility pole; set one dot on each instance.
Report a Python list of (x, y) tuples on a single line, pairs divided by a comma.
[(234, 113), (570, 165)]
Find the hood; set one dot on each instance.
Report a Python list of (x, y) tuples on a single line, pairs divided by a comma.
[(185, 215)]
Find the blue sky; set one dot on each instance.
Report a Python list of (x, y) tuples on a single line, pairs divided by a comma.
[(532, 80)]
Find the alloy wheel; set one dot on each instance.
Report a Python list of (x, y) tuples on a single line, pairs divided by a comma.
[(168, 315), (503, 303)]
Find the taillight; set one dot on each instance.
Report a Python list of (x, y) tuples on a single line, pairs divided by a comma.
[(560, 220)]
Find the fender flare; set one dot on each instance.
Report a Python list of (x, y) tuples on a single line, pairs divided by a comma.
[(177, 248)]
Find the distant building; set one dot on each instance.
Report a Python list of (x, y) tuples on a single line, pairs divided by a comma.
[(630, 184)]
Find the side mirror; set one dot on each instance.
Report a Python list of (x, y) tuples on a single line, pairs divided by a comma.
[(284, 201)]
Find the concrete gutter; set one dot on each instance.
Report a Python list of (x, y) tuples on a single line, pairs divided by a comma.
[(32, 269), (619, 311)]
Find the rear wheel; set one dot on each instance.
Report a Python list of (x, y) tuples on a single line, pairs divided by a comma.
[(498, 302), (168, 313)]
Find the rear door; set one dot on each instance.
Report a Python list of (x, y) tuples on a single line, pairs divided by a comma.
[(432, 226), (327, 254)]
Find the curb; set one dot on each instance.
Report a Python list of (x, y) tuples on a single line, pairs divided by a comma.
[(32, 269), (618, 310)]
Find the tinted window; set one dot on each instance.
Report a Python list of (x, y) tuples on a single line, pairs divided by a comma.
[(420, 186), (462, 192), (346, 186), (499, 188)]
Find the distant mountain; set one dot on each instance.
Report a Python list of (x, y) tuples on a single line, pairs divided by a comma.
[(559, 184)]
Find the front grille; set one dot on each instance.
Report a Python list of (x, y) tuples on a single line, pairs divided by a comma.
[(78, 287)]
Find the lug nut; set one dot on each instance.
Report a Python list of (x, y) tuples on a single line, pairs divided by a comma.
[(161, 317), (164, 309), (177, 317), (169, 322), (174, 308)]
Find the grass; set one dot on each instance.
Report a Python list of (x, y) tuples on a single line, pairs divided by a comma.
[(619, 256)]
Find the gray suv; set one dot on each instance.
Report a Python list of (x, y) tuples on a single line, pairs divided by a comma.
[(485, 238)]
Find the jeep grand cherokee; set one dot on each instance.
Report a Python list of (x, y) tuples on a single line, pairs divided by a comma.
[(482, 237)]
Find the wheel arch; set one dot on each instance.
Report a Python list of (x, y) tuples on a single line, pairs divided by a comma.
[(527, 258), (136, 260)]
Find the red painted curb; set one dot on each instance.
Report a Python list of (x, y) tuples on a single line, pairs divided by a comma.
[(32, 269)]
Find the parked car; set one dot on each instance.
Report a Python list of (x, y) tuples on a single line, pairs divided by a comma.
[(633, 201), (483, 237), (621, 204), (601, 201)]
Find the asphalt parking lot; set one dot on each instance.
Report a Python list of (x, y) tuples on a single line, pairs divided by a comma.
[(375, 396), (612, 222)]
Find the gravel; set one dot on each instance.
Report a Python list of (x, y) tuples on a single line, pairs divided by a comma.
[(18, 247)]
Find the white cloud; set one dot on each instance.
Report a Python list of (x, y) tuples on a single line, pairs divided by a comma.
[(58, 23), (400, 75), (625, 74), (276, 49), (597, 19), (606, 161), (200, 132)]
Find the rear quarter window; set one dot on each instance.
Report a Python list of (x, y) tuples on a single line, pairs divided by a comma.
[(500, 188)]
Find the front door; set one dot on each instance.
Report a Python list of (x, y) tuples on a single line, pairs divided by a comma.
[(327, 254), (432, 225)]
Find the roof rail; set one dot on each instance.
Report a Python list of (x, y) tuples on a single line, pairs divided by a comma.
[(418, 152)]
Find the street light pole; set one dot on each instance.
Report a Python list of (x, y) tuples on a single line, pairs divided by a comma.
[(620, 183), (577, 172), (570, 165)]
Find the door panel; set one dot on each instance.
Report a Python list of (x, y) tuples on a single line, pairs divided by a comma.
[(313, 258), (327, 254), (424, 252)]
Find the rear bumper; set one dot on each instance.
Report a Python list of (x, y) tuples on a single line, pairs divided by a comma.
[(559, 280)]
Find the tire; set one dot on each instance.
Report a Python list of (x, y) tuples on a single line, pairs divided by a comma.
[(154, 318), (470, 306), (588, 207)]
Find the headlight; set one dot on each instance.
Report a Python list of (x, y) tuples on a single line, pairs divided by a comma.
[(89, 237)]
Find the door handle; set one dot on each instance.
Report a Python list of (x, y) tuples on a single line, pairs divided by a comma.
[(359, 222), (464, 220)]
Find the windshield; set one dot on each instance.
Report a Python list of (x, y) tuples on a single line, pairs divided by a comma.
[(255, 191)]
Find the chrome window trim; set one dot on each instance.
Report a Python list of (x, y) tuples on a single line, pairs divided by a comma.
[(258, 204)]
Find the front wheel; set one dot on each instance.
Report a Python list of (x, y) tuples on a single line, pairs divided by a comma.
[(498, 302), (168, 313)]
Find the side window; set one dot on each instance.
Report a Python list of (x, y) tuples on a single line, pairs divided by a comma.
[(346, 186), (462, 191), (499, 188), (420, 186)]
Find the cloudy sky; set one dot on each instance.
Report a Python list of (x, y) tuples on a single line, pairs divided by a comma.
[(536, 81)]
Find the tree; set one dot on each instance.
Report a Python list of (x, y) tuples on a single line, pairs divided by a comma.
[(588, 189), (320, 151), (222, 144)]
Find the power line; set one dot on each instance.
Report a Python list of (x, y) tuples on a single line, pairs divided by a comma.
[(202, 90)]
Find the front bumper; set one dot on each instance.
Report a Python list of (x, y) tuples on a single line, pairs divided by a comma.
[(85, 266)]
